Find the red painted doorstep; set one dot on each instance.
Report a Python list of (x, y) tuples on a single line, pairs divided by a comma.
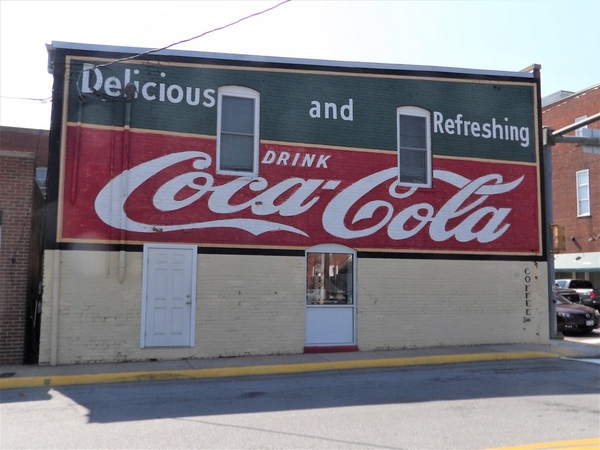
[(331, 349)]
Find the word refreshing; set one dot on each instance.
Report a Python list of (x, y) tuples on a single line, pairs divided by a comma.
[(487, 130)]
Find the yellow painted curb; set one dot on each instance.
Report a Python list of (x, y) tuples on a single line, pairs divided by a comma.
[(578, 444), (122, 377), (566, 352)]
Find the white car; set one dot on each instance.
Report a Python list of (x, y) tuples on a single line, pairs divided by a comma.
[(587, 294)]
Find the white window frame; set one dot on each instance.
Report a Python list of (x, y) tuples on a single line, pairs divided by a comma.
[(583, 199), (417, 112), (331, 324), (334, 249), (240, 92)]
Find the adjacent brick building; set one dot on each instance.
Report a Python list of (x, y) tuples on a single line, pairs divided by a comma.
[(573, 165), (23, 152), (206, 205)]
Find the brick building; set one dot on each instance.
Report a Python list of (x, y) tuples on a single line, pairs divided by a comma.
[(23, 154), (206, 205), (576, 184)]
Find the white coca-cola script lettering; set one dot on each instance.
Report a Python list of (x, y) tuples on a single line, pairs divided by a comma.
[(476, 221)]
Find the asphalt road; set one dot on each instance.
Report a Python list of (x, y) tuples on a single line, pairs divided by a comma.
[(460, 406), (592, 338)]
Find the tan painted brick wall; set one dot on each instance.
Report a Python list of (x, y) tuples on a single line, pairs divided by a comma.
[(252, 305), (249, 305), (430, 303), (99, 318), (246, 305)]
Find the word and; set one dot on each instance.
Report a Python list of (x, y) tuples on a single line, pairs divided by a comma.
[(330, 110)]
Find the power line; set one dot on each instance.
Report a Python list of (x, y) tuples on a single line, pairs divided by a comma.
[(195, 37), (41, 100)]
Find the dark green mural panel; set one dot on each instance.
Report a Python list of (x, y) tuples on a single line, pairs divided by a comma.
[(468, 118)]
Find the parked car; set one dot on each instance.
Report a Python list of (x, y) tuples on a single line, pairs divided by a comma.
[(570, 294), (571, 317), (588, 295)]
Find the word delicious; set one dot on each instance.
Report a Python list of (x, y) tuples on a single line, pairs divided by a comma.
[(149, 91), (465, 209)]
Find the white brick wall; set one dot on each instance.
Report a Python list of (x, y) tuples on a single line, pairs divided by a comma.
[(251, 305)]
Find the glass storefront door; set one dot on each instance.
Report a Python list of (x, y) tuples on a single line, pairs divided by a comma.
[(330, 295)]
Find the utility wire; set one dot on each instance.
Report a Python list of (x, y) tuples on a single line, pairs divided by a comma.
[(42, 100), (45, 100), (195, 37)]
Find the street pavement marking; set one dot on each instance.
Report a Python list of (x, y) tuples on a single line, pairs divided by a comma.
[(578, 444), (587, 360)]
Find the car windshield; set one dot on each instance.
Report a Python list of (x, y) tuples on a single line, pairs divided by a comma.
[(581, 284), (561, 300)]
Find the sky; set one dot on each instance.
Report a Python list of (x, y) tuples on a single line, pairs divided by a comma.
[(507, 35)]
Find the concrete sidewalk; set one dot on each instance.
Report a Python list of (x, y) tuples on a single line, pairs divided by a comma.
[(12, 377)]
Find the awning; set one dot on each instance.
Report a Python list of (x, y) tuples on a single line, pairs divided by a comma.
[(577, 262)]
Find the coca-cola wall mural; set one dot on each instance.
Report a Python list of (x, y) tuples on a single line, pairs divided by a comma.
[(139, 159)]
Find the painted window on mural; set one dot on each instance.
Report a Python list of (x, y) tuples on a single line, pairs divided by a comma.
[(583, 193), (329, 278), (237, 130), (414, 146)]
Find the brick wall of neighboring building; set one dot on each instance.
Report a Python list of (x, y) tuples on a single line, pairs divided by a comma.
[(17, 171), (567, 159), (26, 140), (22, 150)]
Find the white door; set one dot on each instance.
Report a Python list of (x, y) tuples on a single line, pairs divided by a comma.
[(330, 296), (169, 295)]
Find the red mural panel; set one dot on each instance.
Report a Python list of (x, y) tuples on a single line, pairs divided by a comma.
[(134, 187)]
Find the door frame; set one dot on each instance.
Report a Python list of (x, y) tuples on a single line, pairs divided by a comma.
[(332, 248), (194, 266)]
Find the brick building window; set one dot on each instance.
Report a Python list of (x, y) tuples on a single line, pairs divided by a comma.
[(579, 131), (583, 193), (414, 146), (237, 130), (41, 175)]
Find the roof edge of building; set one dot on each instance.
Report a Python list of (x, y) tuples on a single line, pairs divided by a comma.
[(548, 101), (284, 60)]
